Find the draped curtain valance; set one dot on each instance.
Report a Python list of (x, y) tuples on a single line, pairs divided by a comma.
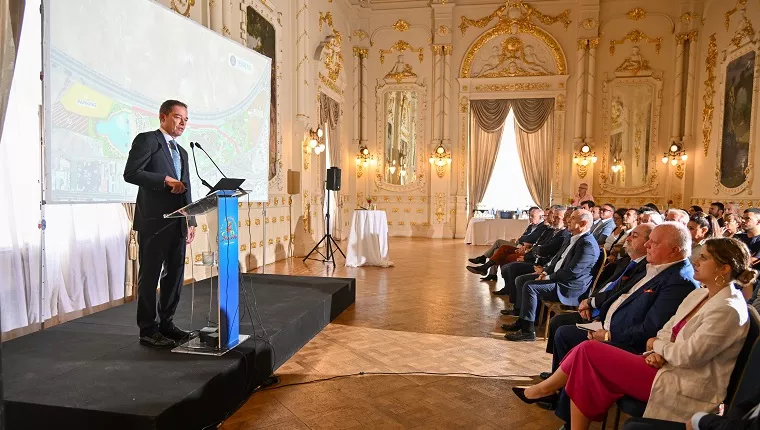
[(329, 111), (530, 114)]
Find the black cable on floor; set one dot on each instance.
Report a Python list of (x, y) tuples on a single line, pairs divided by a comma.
[(349, 375)]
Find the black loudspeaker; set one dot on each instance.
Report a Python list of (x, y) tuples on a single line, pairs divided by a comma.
[(333, 179)]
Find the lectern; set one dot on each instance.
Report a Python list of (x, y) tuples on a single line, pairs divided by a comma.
[(221, 210)]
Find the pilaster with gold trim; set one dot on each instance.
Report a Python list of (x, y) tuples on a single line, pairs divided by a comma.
[(302, 60), (447, 50), (215, 15), (580, 91), (590, 91), (675, 126), (691, 75), (438, 123)]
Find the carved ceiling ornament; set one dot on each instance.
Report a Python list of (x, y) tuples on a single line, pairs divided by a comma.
[(634, 65), (589, 23), (401, 25), (636, 14), (636, 36), (401, 71), (400, 46), (519, 54), (516, 9)]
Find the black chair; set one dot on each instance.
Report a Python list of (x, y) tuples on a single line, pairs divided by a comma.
[(635, 408)]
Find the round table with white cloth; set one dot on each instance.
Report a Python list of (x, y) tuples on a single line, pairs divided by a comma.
[(368, 240), (483, 231)]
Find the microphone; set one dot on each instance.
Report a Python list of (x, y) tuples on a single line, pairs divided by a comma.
[(209, 157), (203, 181)]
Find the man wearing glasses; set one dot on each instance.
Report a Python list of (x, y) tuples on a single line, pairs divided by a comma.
[(606, 224)]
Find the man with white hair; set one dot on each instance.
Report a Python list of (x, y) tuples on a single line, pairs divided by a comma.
[(566, 278), (638, 307), (650, 217), (733, 208), (677, 215)]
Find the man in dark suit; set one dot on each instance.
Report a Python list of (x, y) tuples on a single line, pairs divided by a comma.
[(631, 268), (641, 306), (159, 166), (534, 230), (565, 280)]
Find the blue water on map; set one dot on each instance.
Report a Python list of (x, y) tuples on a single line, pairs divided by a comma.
[(117, 130)]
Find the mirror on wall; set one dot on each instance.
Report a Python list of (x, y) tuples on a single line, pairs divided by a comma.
[(631, 118), (400, 109)]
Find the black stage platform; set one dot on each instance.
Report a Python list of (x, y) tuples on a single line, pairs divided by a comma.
[(91, 373)]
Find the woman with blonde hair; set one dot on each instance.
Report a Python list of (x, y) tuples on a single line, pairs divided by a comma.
[(686, 367)]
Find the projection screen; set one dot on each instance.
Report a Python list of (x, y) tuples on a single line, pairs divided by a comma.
[(109, 64)]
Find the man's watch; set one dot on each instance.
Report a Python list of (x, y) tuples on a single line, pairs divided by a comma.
[(607, 336)]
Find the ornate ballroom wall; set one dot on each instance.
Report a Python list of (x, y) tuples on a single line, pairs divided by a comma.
[(628, 78)]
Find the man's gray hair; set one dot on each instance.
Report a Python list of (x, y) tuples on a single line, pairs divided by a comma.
[(681, 215), (654, 217), (679, 236), (560, 207), (586, 216)]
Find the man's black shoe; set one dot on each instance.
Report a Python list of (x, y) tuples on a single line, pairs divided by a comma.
[(176, 334), (501, 292), (512, 327), (545, 375), (478, 270), (481, 259), (511, 312), (158, 341), (521, 336), (490, 278)]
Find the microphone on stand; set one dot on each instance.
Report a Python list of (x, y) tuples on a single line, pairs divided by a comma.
[(203, 181), (212, 162)]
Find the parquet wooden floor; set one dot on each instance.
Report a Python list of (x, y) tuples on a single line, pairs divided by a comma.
[(427, 314)]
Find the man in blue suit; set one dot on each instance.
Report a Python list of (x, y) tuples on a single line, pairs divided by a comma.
[(565, 280), (602, 229), (642, 305)]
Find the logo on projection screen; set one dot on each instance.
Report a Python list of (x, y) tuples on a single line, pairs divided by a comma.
[(229, 232)]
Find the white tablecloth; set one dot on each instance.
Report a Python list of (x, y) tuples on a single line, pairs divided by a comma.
[(482, 231), (368, 240)]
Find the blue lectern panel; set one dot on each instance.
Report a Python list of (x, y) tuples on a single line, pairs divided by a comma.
[(229, 316)]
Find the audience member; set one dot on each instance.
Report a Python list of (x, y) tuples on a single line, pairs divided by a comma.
[(582, 195), (620, 229), (733, 208), (677, 215), (717, 210), (653, 207), (606, 224), (691, 357), (694, 209), (751, 238), (595, 214), (537, 257), (530, 235), (565, 280), (732, 224), (701, 227), (650, 217), (634, 309), (587, 205)]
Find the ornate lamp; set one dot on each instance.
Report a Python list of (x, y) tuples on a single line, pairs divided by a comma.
[(363, 159), (440, 158), (584, 156), (315, 141), (674, 154)]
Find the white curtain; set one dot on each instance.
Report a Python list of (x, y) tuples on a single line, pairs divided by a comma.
[(483, 150), (536, 152), (85, 244)]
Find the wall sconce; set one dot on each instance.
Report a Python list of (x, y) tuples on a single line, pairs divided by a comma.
[(315, 141), (363, 159), (674, 154), (440, 158), (617, 166), (583, 158)]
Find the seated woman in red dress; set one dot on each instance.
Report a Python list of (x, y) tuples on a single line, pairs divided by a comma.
[(687, 366)]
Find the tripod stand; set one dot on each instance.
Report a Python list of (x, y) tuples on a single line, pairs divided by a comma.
[(329, 254)]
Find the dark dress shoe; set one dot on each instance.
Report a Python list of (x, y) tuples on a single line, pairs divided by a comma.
[(490, 278), (512, 327), (478, 270), (520, 392), (511, 312), (545, 375), (158, 341), (176, 334), (501, 292), (477, 260), (521, 336)]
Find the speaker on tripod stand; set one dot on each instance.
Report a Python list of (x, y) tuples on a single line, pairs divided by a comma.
[(332, 183)]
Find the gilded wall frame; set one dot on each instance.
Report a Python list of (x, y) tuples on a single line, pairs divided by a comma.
[(605, 179), (423, 148), (723, 138)]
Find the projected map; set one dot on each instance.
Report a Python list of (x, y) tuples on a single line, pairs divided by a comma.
[(102, 93)]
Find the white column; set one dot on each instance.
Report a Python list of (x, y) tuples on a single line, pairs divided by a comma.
[(365, 93), (437, 94), (690, 78), (580, 87), (227, 18), (215, 15), (590, 101), (302, 59), (675, 127), (356, 93), (446, 100)]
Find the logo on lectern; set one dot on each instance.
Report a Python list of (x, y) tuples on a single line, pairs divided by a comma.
[(229, 232)]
